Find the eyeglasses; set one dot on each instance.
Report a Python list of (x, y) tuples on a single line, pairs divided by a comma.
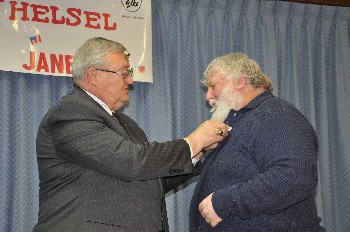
[(127, 73)]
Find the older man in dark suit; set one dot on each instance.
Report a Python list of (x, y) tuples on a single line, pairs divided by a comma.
[(97, 170)]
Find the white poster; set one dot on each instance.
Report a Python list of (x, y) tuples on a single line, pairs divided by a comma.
[(41, 36)]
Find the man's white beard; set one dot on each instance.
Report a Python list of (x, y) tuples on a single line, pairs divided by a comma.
[(228, 100), (221, 112)]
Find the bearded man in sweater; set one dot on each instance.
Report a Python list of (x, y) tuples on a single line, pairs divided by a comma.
[(263, 176)]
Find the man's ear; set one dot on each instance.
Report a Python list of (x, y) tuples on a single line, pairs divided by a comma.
[(240, 82), (91, 76)]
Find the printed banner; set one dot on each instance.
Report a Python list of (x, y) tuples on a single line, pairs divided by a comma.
[(42, 36)]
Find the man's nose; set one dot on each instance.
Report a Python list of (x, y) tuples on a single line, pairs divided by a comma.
[(208, 96), (129, 80)]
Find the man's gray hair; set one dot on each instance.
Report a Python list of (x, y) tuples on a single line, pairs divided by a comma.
[(235, 65), (93, 54)]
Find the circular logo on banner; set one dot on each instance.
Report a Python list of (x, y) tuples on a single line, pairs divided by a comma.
[(132, 5)]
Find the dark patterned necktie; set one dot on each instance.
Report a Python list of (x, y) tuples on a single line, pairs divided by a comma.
[(135, 133)]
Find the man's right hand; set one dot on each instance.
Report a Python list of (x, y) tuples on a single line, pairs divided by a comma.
[(206, 135)]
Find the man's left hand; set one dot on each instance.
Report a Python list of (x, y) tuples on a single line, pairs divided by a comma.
[(208, 212)]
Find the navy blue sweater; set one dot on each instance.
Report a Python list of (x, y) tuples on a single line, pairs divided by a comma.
[(264, 174)]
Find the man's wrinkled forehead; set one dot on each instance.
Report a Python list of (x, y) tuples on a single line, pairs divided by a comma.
[(211, 74), (211, 70), (215, 73)]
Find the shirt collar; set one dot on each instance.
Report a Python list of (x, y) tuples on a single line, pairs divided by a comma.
[(99, 101)]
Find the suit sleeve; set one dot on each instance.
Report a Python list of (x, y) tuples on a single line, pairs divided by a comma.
[(95, 141), (171, 183)]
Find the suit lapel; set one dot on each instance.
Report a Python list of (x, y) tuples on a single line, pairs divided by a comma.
[(135, 133)]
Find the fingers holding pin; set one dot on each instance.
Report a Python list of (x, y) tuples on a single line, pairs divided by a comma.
[(220, 132)]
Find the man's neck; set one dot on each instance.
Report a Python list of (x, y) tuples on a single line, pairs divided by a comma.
[(250, 93)]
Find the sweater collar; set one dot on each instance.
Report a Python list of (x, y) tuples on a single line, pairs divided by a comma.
[(252, 104)]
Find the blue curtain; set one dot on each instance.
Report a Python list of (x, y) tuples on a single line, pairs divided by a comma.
[(303, 48)]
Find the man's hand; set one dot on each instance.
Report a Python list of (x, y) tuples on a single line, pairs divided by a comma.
[(206, 135), (211, 147), (208, 212)]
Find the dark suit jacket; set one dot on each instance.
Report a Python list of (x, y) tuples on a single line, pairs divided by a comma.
[(96, 175)]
